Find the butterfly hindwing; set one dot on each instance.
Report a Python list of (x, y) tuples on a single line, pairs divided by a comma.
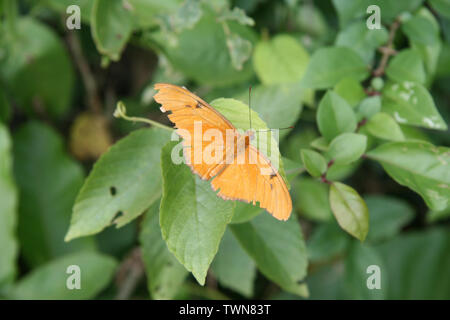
[(255, 181)]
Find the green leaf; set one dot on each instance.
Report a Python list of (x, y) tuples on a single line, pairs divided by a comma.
[(48, 181), (293, 142), (147, 12), (369, 107), (417, 265), (350, 210), (286, 98), (314, 162), (388, 216), (420, 166), (326, 242), (420, 30), (342, 171), (347, 148), (429, 53), (411, 103), (49, 282), (351, 90), (8, 211), (280, 60), (406, 66), (335, 116), (309, 20), (392, 9), (192, 217), (437, 215), (362, 40), (356, 278), (293, 168), (201, 53), (414, 133), (164, 273), (111, 27), (36, 68), (245, 212), (240, 50), (320, 144), (233, 267), (124, 182), (185, 16), (277, 248), (311, 199), (349, 10), (237, 14), (383, 126), (329, 65), (441, 6)]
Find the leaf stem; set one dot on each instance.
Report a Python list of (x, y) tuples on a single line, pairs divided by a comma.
[(121, 112), (387, 50), (130, 272), (323, 177), (360, 124), (87, 76)]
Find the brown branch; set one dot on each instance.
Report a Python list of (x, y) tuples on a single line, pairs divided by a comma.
[(211, 281), (130, 273), (360, 124), (388, 50), (323, 177), (87, 76)]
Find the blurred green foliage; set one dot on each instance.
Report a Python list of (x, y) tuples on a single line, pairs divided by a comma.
[(368, 159)]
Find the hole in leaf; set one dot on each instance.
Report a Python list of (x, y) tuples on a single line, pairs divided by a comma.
[(117, 216), (113, 191)]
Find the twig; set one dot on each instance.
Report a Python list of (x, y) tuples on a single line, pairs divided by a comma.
[(361, 123), (323, 177), (87, 76), (387, 50), (121, 112), (129, 274), (211, 281)]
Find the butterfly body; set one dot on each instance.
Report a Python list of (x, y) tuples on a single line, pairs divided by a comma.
[(236, 169)]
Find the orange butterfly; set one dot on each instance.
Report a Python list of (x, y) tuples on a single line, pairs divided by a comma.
[(235, 180)]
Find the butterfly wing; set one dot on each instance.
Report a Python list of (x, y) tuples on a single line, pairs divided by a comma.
[(246, 182), (189, 112)]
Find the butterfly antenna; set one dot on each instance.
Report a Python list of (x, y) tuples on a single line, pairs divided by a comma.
[(291, 127), (249, 108)]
